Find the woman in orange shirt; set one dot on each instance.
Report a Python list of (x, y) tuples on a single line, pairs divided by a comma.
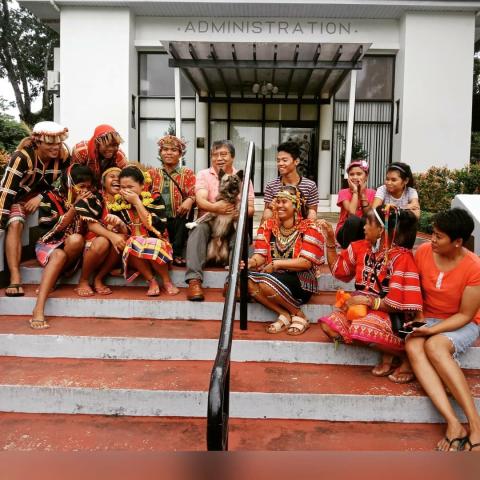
[(450, 279)]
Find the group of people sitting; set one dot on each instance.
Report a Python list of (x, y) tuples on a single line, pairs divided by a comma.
[(107, 216)]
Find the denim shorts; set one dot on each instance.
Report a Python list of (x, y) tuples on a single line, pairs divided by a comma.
[(461, 338)]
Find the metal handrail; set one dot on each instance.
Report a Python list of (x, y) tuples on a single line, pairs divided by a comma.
[(219, 391)]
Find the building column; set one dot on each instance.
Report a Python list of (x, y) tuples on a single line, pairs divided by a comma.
[(325, 156), (350, 120), (178, 103), (201, 131)]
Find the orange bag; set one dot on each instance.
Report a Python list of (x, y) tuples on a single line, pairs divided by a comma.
[(353, 312)]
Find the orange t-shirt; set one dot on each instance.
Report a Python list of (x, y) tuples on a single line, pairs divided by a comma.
[(443, 291)]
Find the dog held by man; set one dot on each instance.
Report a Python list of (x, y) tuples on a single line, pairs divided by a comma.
[(207, 189), (222, 225)]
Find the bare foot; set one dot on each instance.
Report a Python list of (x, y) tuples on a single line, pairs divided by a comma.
[(38, 322), (384, 368), (473, 442), (402, 374), (154, 289), (454, 438)]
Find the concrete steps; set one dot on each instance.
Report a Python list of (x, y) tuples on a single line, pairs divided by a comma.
[(213, 278), (172, 388), (137, 370), (140, 339), (63, 433)]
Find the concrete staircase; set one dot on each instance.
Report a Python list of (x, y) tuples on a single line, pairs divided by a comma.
[(135, 371)]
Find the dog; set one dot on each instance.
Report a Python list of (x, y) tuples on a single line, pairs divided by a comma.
[(222, 226)]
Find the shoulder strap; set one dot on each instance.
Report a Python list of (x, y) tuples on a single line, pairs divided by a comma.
[(176, 183), (54, 199)]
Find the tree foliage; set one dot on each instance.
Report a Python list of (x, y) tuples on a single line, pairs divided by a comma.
[(26, 54)]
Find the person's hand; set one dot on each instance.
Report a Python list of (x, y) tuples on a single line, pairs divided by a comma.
[(185, 207), (362, 186), (82, 196), (118, 242), (224, 208), (327, 230), (32, 205), (353, 186), (236, 214), (130, 196), (420, 331), (358, 300), (268, 268)]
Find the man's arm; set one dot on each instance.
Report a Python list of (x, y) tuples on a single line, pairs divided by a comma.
[(220, 207)]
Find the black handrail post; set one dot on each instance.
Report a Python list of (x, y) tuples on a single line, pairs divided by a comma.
[(219, 390)]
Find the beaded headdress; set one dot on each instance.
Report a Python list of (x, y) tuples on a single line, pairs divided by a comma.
[(174, 142), (49, 132)]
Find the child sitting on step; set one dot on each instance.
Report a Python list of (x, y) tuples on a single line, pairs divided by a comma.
[(143, 213), (60, 247), (104, 243)]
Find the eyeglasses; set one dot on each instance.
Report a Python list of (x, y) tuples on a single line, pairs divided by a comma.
[(220, 154)]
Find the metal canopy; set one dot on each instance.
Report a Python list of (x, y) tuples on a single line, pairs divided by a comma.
[(310, 71)]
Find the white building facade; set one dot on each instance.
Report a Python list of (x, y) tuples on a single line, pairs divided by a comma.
[(395, 74)]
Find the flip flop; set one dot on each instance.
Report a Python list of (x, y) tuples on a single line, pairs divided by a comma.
[(467, 441), (170, 289), (104, 290), (409, 376), (38, 324), (84, 291), (17, 287), (461, 443), (153, 291)]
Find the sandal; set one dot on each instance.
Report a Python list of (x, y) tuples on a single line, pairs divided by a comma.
[(84, 291), (461, 444), (103, 290), (466, 441), (401, 377), (153, 288), (17, 287), (170, 288), (281, 324), (38, 324), (298, 326)]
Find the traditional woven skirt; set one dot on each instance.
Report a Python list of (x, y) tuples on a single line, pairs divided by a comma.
[(43, 251), (147, 248), (374, 328), (286, 284)]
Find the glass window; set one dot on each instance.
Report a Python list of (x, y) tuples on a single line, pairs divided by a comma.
[(308, 112), (218, 131), (188, 108), (157, 78), (281, 112), (157, 108), (374, 80), (150, 132), (246, 111), (270, 152), (219, 111), (241, 134)]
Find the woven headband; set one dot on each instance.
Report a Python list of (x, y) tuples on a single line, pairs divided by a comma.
[(397, 167)]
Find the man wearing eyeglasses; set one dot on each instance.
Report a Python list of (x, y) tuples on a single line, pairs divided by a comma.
[(222, 155)]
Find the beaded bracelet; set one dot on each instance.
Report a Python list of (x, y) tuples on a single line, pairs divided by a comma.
[(330, 245)]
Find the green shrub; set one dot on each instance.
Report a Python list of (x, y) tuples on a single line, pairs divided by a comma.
[(425, 222), (11, 132)]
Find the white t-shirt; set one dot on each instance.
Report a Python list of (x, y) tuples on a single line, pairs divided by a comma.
[(407, 196)]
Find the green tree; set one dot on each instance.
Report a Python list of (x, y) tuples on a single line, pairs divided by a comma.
[(26, 54)]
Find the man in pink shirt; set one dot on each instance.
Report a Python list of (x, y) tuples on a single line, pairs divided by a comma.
[(222, 155)]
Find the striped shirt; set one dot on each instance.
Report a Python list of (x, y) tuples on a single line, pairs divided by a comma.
[(306, 186)]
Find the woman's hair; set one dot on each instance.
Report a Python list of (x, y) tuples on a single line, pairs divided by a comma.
[(292, 148), (404, 171), (78, 174), (292, 190), (456, 223), (133, 172), (403, 221)]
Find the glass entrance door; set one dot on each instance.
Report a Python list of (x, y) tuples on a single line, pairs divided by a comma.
[(305, 134)]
